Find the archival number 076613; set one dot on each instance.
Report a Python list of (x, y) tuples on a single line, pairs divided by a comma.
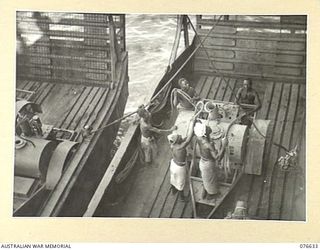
[(309, 246)]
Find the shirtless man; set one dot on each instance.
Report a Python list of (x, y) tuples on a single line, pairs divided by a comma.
[(148, 144), (178, 164), (207, 164), (181, 95), (246, 95)]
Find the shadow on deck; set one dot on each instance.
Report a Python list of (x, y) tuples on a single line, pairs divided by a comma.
[(276, 194)]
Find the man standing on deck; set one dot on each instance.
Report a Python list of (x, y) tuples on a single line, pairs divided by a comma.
[(246, 95), (148, 143), (216, 132), (207, 165), (178, 164), (186, 96)]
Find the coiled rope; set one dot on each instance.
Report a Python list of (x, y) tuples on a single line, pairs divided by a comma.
[(167, 83)]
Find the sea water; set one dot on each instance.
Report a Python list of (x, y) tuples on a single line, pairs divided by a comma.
[(149, 40)]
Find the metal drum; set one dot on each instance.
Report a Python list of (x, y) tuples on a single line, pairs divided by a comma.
[(237, 137), (32, 158)]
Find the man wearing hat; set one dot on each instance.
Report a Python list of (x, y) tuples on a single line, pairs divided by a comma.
[(208, 157), (178, 164), (148, 144)]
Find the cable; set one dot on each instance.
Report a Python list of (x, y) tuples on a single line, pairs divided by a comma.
[(167, 83), (232, 93), (207, 54)]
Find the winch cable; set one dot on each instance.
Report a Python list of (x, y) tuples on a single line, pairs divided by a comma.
[(167, 83), (182, 93), (193, 200), (228, 85)]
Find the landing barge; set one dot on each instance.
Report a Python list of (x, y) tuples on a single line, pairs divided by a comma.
[(71, 79), (270, 50)]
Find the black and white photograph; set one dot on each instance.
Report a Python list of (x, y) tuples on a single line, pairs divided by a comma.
[(182, 116)]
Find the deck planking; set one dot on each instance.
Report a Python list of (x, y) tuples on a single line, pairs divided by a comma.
[(71, 113), (230, 90), (257, 181), (267, 195), (291, 184), (275, 210), (65, 105), (273, 150), (214, 88), (80, 111), (222, 89), (275, 193)]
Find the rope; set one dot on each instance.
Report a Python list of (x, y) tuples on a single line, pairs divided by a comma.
[(211, 62), (168, 82), (232, 93), (182, 93), (188, 59), (190, 181)]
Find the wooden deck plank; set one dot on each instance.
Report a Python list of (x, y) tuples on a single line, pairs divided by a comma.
[(162, 195), (206, 87), (239, 84), (222, 88), (278, 174), (82, 155), (141, 199), (229, 95), (286, 210), (187, 212), (200, 84), (273, 157), (20, 84), (179, 206), (90, 109), (40, 91), (278, 207), (29, 85), (57, 101), (169, 205), (257, 182), (263, 112), (102, 97), (214, 88), (174, 207), (291, 177), (79, 102), (299, 202), (68, 103), (70, 114), (260, 181), (45, 93)]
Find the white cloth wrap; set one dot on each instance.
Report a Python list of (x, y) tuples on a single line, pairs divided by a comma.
[(178, 175), (149, 148), (209, 176)]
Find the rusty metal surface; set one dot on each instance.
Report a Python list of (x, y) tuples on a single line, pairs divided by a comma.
[(32, 160), (57, 163), (256, 147)]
